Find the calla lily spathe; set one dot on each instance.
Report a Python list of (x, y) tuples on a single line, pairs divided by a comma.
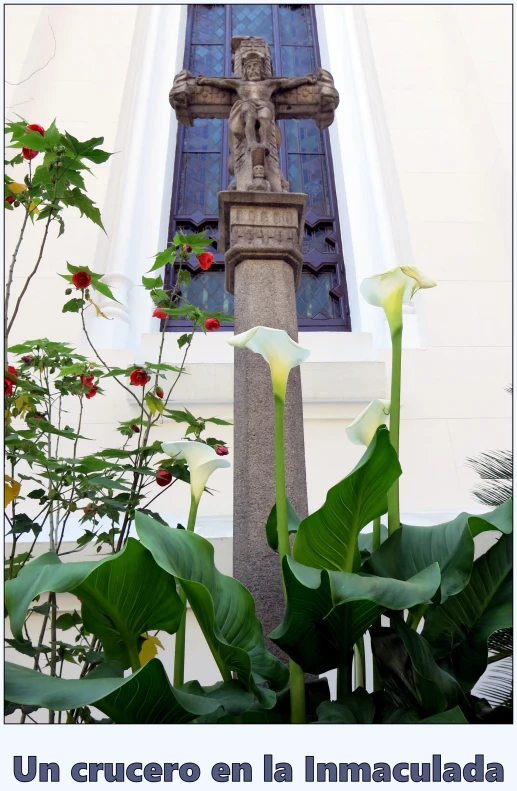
[(389, 290), (202, 461), (276, 347), (362, 430)]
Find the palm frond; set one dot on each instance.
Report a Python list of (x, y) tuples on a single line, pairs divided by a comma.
[(496, 685), (497, 467)]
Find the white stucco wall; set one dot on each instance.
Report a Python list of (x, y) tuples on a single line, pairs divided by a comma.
[(421, 148)]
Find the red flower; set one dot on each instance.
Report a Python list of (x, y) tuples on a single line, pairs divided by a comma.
[(158, 313), (81, 279), (159, 392), (86, 381), (163, 477), (29, 153), (92, 391), (205, 260), (36, 128), (212, 324), (9, 382), (138, 377), (10, 199), (221, 450), (90, 509), (135, 428)]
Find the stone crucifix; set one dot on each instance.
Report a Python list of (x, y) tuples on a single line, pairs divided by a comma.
[(261, 228)]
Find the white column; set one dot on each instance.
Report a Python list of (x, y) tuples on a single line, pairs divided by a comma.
[(137, 208), (371, 211)]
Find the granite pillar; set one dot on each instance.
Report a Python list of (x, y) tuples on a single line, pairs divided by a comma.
[(261, 233)]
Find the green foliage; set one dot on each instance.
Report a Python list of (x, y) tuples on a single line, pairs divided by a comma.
[(293, 522), (223, 607), (327, 539)]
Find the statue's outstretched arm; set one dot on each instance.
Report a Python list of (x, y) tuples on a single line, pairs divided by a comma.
[(288, 83), (218, 82)]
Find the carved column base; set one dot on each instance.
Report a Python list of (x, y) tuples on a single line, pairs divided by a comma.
[(262, 278)]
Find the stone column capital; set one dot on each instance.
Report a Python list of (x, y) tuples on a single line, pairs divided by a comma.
[(261, 226)]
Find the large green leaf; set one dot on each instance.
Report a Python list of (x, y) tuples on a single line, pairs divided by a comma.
[(411, 549), (123, 596), (352, 710), (409, 672), (293, 523), (328, 611), (460, 628), (327, 539), (224, 608), (501, 518), (144, 697)]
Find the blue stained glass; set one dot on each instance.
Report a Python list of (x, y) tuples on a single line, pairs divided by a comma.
[(208, 24), (303, 136), (313, 298), (253, 20), (307, 173), (199, 185), (295, 24), (297, 61), (207, 60), (205, 135), (206, 291)]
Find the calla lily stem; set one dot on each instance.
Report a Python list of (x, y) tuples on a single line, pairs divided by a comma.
[(297, 681), (179, 646), (396, 369)]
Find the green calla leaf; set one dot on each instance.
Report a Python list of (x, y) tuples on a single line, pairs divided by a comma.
[(144, 697), (410, 673), (293, 522), (410, 549), (501, 518), (357, 708), (123, 596), (453, 716), (327, 539), (459, 629), (224, 608), (328, 611)]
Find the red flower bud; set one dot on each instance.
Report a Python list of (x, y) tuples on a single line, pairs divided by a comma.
[(159, 392), (27, 358), (81, 279), (187, 248), (138, 377), (205, 260), (36, 128), (135, 428), (10, 199), (221, 450), (212, 324), (158, 313), (90, 509), (86, 381), (92, 391), (163, 477), (29, 153), (37, 416)]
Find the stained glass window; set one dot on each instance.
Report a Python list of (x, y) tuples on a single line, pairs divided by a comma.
[(305, 157)]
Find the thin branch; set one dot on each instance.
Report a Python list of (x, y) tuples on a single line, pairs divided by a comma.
[(41, 67)]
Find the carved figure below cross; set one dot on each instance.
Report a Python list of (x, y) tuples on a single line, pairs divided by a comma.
[(253, 101)]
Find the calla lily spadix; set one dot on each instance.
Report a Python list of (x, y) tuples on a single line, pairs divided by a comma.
[(390, 290), (202, 461), (362, 430), (276, 347)]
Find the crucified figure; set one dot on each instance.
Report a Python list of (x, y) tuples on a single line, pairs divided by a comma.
[(253, 113)]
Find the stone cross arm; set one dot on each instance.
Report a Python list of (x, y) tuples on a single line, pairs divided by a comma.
[(192, 99)]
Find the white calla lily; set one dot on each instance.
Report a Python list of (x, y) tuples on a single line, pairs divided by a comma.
[(202, 461), (389, 290), (276, 347), (362, 430)]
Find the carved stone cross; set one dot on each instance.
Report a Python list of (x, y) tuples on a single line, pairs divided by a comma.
[(253, 101), (260, 230)]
